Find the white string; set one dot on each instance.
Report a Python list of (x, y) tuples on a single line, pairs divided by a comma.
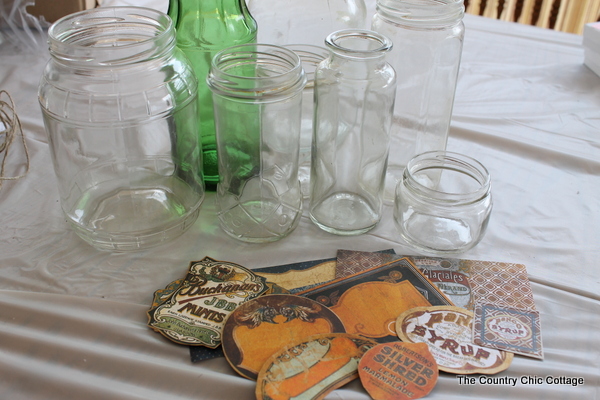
[(9, 121)]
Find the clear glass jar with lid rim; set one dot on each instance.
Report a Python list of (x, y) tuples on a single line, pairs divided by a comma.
[(354, 98), (428, 39), (443, 203), (119, 103)]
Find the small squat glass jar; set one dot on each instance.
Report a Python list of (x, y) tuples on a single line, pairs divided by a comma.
[(119, 103), (443, 202), (257, 96)]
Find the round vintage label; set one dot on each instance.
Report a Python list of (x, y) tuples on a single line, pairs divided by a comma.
[(447, 331), (398, 371), (311, 368), (265, 325)]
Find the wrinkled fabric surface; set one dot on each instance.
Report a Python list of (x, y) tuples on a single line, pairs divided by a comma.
[(73, 319)]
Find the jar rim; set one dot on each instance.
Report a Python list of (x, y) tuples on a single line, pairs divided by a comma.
[(111, 35), (284, 78), (446, 160), (358, 43), (425, 13), (310, 57)]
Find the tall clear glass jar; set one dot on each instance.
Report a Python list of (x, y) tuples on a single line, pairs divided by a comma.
[(354, 99), (428, 40), (119, 103), (257, 95)]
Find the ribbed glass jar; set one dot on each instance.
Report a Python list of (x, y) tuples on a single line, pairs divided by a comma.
[(428, 40), (354, 98), (119, 102), (257, 96), (443, 202)]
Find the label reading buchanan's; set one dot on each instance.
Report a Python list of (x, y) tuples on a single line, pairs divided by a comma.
[(194, 314)]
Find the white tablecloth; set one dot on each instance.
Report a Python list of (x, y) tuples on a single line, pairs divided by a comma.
[(73, 319)]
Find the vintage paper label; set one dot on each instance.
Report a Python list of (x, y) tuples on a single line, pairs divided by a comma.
[(311, 368), (196, 310), (162, 295), (299, 276), (470, 284), (391, 289), (265, 325), (501, 284), (398, 371), (508, 329), (350, 262), (448, 332)]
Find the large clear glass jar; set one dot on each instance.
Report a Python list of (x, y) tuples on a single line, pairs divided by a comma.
[(428, 40), (443, 203), (257, 96), (119, 102), (354, 98)]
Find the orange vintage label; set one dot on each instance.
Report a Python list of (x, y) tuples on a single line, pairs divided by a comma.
[(259, 328), (362, 318), (398, 371), (311, 368)]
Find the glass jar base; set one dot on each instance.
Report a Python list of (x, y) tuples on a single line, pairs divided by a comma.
[(121, 219), (433, 235), (344, 214), (336, 231), (259, 221), (134, 241)]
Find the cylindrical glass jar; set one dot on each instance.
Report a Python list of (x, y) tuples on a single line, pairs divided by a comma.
[(354, 98), (443, 202), (428, 40), (310, 56), (257, 96), (119, 105)]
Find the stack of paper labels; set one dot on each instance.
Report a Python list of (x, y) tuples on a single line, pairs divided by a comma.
[(305, 329), (591, 45)]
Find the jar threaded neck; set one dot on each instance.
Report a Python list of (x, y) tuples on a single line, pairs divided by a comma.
[(422, 13), (358, 44), (111, 36)]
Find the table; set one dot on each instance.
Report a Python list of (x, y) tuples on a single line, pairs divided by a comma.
[(73, 319)]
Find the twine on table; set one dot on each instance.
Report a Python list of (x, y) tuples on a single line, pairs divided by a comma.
[(11, 125)]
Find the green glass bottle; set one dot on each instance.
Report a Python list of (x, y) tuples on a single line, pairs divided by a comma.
[(203, 28)]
